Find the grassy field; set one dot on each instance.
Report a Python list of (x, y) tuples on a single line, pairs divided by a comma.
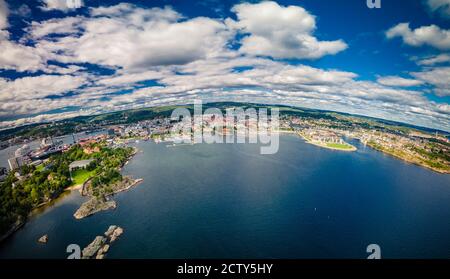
[(81, 175), (340, 146)]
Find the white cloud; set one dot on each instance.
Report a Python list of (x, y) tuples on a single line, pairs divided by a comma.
[(41, 118), (442, 6), (134, 38), (62, 5), (59, 26), (127, 79), (438, 77), (280, 32), (399, 81), (70, 69), (14, 56), (38, 87), (437, 59), (4, 12), (426, 35), (217, 79), (18, 57)]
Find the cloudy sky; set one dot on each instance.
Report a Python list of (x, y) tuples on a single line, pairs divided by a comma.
[(58, 60)]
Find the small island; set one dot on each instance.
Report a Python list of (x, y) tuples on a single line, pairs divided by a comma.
[(98, 248)]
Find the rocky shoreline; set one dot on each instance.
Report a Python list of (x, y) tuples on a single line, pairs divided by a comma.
[(97, 204), (17, 225), (93, 206)]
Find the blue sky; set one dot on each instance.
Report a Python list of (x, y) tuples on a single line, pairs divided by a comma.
[(58, 61)]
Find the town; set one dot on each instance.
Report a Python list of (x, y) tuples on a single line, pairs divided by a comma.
[(430, 150)]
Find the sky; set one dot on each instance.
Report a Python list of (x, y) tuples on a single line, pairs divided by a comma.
[(64, 58)]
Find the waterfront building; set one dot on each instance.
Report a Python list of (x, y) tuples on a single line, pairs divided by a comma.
[(16, 162)]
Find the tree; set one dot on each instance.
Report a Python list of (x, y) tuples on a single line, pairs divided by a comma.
[(34, 195)]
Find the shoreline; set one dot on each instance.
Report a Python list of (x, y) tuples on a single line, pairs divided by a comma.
[(18, 225), (38, 210), (44, 205), (440, 171), (75, 187)]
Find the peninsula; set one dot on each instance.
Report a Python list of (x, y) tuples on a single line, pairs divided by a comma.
[(100, 195), (325, 140)]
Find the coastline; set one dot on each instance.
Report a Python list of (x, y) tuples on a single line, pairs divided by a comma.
[(38, 209), (19, 224), (413, 162), (75, 187), (95, 204), (384, 151)]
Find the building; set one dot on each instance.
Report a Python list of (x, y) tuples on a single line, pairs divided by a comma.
[(80, 164), (16, 162)]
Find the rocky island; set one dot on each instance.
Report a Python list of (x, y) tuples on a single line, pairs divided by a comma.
[(98, 248)]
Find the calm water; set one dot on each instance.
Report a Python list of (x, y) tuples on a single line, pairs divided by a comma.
[(227, 201)]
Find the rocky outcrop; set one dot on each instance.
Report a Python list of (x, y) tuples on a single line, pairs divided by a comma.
[(92, 206), (98, 248), (126, 183), (117, 232), (95, 204), (43, 239), (92, 249)]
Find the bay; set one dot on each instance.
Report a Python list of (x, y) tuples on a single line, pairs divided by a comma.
[(228, 201)]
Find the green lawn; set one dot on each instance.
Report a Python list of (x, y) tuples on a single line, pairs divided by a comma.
[(81, 175), (339, 146), (40, 167)]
